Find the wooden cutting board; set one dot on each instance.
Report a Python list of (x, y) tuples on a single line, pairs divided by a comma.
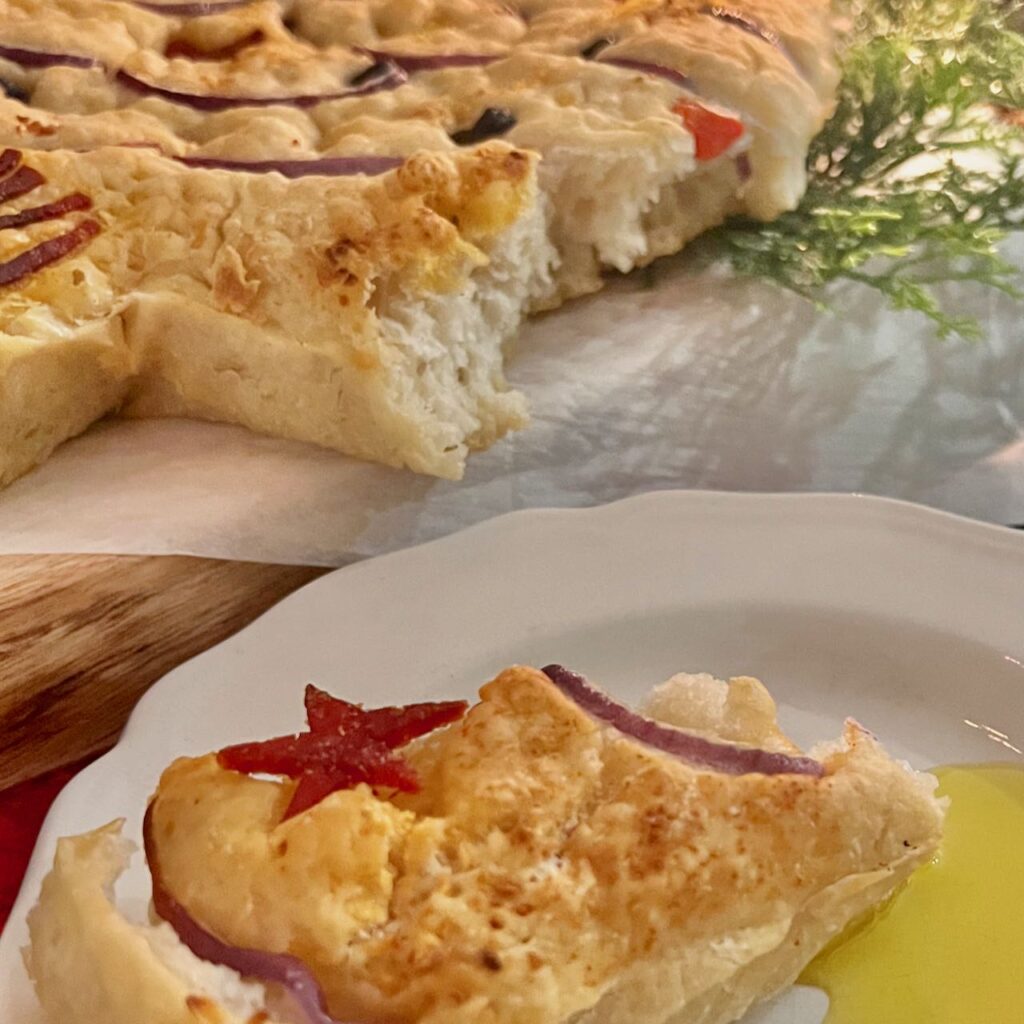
[(83, 636)]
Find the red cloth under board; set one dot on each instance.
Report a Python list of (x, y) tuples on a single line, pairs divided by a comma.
[(22, 809)]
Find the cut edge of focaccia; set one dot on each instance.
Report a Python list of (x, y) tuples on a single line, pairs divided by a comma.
[(51, 391), (367, 315), (83, 949)]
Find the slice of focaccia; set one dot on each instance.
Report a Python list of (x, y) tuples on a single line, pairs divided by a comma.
[(561, 858), (364, 313)]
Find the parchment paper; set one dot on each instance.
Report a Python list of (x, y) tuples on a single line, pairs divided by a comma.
[(694, 379)]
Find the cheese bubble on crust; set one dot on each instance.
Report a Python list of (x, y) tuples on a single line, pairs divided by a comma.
[(741, 711)]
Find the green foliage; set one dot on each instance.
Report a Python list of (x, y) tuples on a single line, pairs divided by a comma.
[(915, 180)]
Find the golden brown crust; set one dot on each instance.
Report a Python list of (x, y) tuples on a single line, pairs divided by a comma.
[(786, 60), (166, 226)]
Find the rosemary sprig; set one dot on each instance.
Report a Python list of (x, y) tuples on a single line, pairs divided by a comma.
[(914, 181)]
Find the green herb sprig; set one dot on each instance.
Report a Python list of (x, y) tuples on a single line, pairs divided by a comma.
[(915, 180)]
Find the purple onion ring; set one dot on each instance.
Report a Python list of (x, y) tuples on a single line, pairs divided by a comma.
[(24, 180), (646, 68), (56, 210), (42, 255), (412, 63), (213, 102), (9, 160), (695, 750), (277, 968), (192, 10), (45, 59), (332, 167)]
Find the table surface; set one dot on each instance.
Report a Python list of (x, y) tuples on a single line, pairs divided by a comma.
[(83, 636), (81, 639)]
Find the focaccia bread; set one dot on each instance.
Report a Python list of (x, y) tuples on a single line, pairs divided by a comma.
[(548, 864), (654, 120), (754, 80), (362, 313)]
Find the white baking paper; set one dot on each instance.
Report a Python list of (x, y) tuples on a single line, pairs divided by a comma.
[(701, 380)]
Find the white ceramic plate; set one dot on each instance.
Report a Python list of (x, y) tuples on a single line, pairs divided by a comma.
[(910, 620)]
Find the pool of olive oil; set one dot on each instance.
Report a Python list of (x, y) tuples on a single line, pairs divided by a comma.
[(949, 947)]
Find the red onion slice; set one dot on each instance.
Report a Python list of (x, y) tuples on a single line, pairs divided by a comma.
[(213, 102), (47, 252), (745, 23), (192, 10), (45, 59), (646, 68), (289, 972), (695, 750), (48, 211), (21, 182), (9, 159), (741, 21), (330, 167), (412, 63)]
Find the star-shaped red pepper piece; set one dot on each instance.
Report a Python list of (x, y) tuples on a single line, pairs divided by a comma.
[(345, 745)]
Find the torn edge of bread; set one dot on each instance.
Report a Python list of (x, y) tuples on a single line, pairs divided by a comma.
[(367, 315)]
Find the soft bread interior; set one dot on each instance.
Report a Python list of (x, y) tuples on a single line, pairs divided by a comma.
[(53, 390), (661, 201), (433, 389)]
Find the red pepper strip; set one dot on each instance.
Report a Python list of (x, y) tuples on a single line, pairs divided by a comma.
[(390, 773), (48, 211), (23, 180), (183, 48), (325, 713), (9, 159), (312, 788), (397, 727), (47, 252), (323, 762), (392, 726), (346, 745), (350, 755), (712, 133)]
